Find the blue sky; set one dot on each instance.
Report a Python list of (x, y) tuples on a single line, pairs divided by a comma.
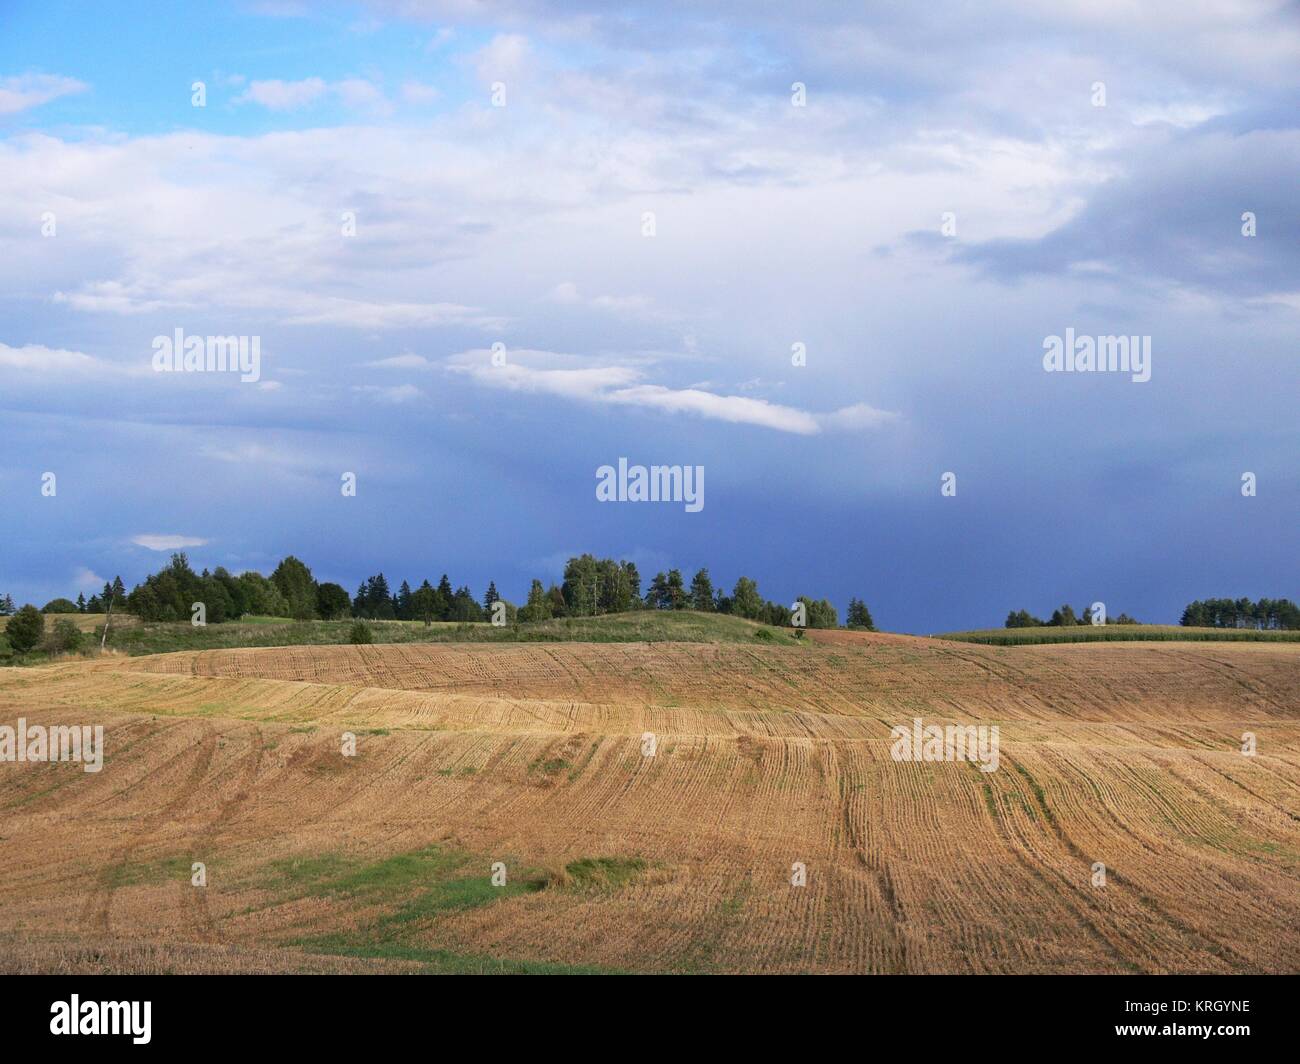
[(774, 224)]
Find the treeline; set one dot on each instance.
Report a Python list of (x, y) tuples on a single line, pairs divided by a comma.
[(292, 591), (594, 585), (171, 593), (1062, 617), (590, 586), (114, 593), (1266, 614), (426, 603)]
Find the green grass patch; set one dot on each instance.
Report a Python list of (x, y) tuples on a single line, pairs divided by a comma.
[(418, 888), (420, 883), (139, 873), (989, 801), (604, 873), (444, 962), (551, 767)]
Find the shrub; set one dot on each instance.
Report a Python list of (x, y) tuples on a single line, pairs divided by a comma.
[(25, 629), (63, 638), (361, 634), (763, 634), (332, 602), (60, 605)]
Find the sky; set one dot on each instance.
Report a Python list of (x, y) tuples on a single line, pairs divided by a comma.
[(817, 250)]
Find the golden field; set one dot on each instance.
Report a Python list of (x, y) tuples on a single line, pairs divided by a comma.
[(531, 755)]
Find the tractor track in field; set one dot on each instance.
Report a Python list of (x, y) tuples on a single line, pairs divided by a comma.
[(96, 915), (1118, 753)]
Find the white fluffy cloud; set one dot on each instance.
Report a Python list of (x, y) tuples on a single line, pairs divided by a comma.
[(164, 542), (775, 224), (37, 359), (403, 361), (357, 94), (419, 92), (31, 90), (504, 57), (535, 371), (399, 393), (566, 293), (283, 95), (86, 579)]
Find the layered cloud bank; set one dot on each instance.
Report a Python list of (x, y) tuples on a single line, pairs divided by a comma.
[(820, 247)]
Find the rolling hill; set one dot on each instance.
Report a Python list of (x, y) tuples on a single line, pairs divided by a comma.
[(531, 757)]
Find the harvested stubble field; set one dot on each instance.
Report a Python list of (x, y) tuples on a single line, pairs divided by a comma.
[(531, 754)]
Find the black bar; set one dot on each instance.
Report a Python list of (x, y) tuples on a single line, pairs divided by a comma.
[(798, 1014)]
